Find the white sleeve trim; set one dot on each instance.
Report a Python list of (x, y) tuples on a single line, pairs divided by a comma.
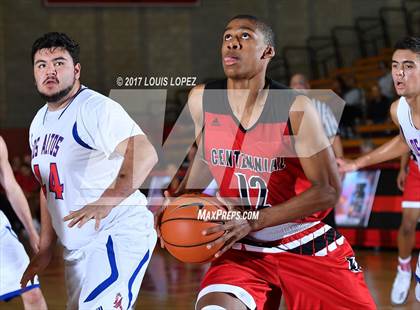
[(411, 204), (237, 291)]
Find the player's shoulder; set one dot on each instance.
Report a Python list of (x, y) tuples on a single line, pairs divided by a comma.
[(41, 111), (93, 98), (301, 102), (92, 101), (39, 116), (195, 96), (393, 111), (394, 106), (197, 90)]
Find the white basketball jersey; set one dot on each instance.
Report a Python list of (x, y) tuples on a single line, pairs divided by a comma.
[(411, 133), (73, 158)]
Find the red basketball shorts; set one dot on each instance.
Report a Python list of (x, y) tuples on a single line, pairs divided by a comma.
[(411, 196), (259, 280)]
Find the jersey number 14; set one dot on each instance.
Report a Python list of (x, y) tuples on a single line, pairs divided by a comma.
[(54, 184)]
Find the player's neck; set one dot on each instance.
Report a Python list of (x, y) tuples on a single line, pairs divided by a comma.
[(245, 92), (247, 99), (62, 103), (414, 103), (254, 84)]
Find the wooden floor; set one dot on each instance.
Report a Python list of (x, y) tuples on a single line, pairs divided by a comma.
[(169, 284)]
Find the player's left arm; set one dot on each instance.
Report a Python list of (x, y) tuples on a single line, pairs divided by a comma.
[(139, 159), (318, 163), (16, 196)]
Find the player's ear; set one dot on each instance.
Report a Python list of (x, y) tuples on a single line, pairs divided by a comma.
[(77, 68), (269, 52)]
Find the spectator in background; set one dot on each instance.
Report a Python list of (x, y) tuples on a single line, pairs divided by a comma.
[(355, 103), (377, 106), (353, 95)]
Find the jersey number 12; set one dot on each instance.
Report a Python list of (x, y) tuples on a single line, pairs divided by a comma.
[(254, 182)]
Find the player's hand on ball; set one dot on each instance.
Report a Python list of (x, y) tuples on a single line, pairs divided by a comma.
[(232, 204), (37, 264), (235, 229), (90, 211)]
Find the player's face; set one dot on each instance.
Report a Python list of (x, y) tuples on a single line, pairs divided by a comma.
[(55, 73), (243, 49), (406, 73)]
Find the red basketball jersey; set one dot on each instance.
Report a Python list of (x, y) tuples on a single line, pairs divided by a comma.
[(258, 164)]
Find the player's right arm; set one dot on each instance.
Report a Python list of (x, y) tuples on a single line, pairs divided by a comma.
[(337, 146), (402, 174), (16, 196), (394, 148), (46, 247), (198, 175)]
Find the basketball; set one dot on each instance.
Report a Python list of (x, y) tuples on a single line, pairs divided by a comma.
[(181, 228)]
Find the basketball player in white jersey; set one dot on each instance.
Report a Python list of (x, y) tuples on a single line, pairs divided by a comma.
[(13, 258), (90, 158), (405, 112)]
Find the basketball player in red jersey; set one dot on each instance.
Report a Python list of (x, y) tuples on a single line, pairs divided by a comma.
[(249, 124)]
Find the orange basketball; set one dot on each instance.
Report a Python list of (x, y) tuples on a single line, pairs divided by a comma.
[(181, 228)]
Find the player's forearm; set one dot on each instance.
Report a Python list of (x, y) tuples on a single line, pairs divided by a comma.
[(48, 237), (337, 146), (20, 205), (315, 199), (404, 161), (197, 178), (390, 150), (140, 158)]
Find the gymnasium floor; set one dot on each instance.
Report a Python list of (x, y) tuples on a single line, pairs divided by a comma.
[(172, 285)]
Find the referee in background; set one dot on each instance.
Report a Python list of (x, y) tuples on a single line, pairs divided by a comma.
[(330, 124)]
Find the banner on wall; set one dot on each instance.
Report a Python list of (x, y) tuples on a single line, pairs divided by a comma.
[(355, 204)]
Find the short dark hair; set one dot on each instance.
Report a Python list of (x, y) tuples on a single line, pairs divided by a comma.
[(54, 40), (409, 43), (266, 30)]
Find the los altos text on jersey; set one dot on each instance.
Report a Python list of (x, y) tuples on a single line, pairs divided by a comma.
[(50, 145)]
